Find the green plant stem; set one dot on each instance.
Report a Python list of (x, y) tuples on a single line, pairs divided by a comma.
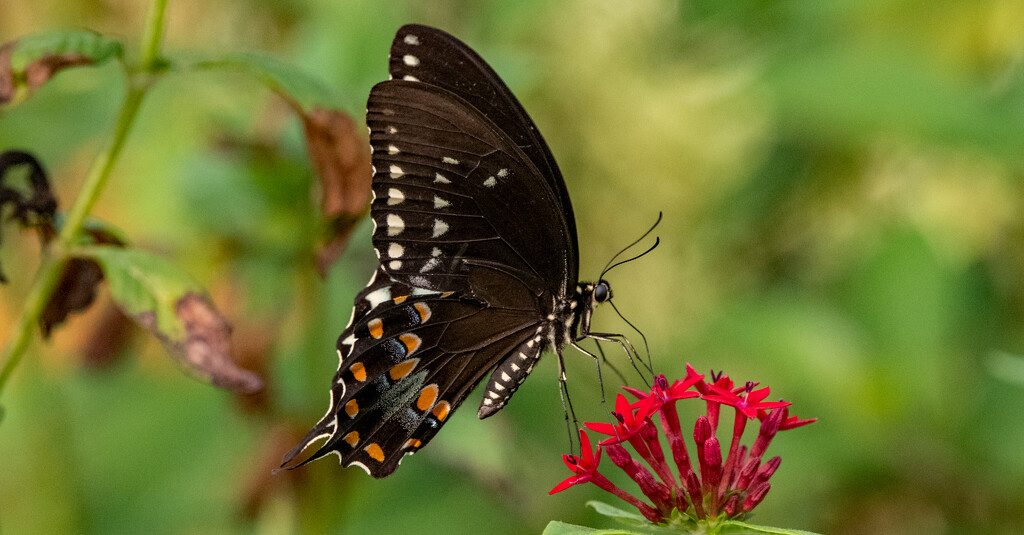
[(54, 259)]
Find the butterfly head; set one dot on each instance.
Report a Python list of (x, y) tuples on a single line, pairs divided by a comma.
[(602, 292)]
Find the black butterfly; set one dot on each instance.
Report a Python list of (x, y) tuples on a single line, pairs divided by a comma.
[(478, 257)]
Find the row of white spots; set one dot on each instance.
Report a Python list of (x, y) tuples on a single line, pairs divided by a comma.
[(504, 380), (395, 196)]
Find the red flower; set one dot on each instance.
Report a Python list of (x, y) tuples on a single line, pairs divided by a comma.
[(630, 422), (584, 467), (716, 487), (748, 403)]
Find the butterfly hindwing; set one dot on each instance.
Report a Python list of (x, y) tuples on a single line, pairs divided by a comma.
[(404, 370)]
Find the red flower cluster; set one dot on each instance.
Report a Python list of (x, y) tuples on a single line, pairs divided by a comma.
[(732, 487)]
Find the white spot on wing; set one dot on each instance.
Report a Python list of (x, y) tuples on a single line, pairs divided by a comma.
[(391, 130), (490, 182), (440, 179), (410, 78), (395, 225), (411, 40), (395, 196), (440, 227), (440, 203), (435, 252), (395, 264), (450, 160), (393, 149), (410, 60), (503, 173), (395, 250), (505, 377), (378, 296), (396, 172), (498, 386)]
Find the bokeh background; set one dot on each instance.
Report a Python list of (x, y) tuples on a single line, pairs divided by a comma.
[(842, 190)]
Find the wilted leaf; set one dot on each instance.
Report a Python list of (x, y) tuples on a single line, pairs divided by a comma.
[(74, 293), (76, 289), (162, 298), (341, 157), (32, 60), (35, 210)]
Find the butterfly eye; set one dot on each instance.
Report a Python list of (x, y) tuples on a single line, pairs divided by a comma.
[(602, 292)]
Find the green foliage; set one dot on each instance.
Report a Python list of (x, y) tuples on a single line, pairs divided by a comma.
[(842, 191)]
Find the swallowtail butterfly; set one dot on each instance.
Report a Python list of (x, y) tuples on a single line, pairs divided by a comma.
[(478, 258)]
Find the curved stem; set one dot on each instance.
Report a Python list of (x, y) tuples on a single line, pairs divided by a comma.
[(54, 259)]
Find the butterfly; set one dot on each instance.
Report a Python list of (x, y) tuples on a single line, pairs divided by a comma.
[(477, 246)]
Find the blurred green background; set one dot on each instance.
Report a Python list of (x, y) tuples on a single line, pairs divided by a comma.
[(842, 189)]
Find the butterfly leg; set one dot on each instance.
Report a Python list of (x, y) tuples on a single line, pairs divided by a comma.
[(631, 353), (572, 426)]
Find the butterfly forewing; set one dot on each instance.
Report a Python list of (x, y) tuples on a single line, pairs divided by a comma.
[(436, 58), (450, 187)]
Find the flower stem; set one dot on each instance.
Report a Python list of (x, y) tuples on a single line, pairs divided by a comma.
[(56, 257)]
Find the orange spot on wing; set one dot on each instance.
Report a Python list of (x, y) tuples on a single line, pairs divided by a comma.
[(376, 327), (402, 368), (400, 299), (352, 438), (412, 443), (374, 451), (358, 371), (427, 397), (423, 310), (446, 294), (352, 408), (411, 341), (441, 410)]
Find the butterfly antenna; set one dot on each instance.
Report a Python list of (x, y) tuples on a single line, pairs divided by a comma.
[(647, 348), (610, 265)]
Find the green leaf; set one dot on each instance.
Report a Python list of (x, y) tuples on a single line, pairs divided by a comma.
[(30, 61), (611, 511), (735, 526), (161, 297), (561, 528), (303, 91)]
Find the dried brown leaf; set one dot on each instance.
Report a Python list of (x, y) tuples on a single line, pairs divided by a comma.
[(207, 345), (7, 87), (341, 157), (41, 70)]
